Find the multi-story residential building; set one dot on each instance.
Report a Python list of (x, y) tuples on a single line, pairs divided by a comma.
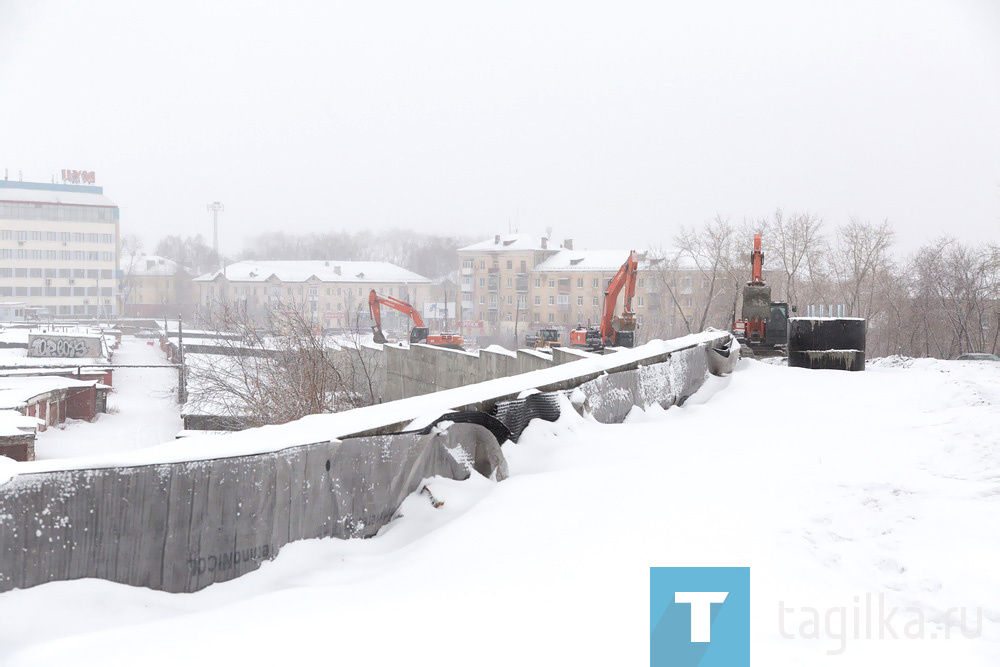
[(494, 278), (333, 293), (59, 248), (516, 283), (567, 289), (155, 286)]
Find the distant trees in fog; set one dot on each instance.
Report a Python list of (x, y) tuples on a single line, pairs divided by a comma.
[(429, 255)]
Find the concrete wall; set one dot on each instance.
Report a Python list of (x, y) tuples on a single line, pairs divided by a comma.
[(423, 369), (180, 527), (64, 346)]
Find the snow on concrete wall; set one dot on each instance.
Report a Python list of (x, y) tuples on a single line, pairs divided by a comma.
[(182, 526)]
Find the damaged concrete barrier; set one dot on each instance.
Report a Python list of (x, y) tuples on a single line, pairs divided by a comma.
[(836, 343)]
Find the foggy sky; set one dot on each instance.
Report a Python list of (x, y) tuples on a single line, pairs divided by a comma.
[(609, 122)]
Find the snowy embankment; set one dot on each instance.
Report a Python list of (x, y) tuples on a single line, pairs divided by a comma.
[(830, 485)]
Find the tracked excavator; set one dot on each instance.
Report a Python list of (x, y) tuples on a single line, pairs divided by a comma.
[(419, 333), (764, 325), (613, 331)]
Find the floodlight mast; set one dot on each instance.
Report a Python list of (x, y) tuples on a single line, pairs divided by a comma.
[(215, 207)]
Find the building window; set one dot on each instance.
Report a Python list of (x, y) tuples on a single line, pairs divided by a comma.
[(597, 282), (510, 282), (538, 300), (579, 283), (482, 265), (564, 299), (509, 300), (482, 282), (482, 299), (594, 301), (579, 300), (466, 263), (552, 283), (552, 300), (538, 282), (687, 302), (639, 299), (552, 317), (510, 265)]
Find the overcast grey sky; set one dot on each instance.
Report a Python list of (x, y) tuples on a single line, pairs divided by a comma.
[(610, 122)]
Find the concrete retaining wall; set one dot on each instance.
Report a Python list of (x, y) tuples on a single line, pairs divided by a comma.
[(180, 527), (423, 369)]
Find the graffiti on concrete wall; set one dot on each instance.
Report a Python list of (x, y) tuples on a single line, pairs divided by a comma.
[(63, 346)]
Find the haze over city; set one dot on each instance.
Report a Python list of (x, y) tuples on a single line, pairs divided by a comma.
[(612, 124)]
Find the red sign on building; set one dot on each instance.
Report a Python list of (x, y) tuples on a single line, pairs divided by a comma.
[(77, 176)]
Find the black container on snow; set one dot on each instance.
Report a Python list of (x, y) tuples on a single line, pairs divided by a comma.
[(836, 343)]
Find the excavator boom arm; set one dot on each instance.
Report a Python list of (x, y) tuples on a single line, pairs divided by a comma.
[(756, 262), (624, 279), (376, 300)]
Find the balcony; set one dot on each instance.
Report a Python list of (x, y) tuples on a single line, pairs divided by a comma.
[(468, 270), (493, 305), (493, 284), (522, 284)]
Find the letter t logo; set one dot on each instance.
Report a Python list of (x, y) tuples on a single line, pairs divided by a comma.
[(701, 612)]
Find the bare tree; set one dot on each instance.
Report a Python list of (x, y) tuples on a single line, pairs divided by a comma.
[(793, 241), (284, 370), (129, 249), (712, 251), (861, 253)]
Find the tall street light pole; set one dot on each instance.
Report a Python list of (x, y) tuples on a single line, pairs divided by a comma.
[(215, 207)]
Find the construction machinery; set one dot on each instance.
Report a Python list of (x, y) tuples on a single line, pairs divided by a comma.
[(545, 338), (764, 324), (419, 333), (613, 331)]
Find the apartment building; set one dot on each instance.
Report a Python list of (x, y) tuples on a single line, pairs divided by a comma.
[(155, 286), (517, 283), (333, 293), (494, 278), (59, 248)]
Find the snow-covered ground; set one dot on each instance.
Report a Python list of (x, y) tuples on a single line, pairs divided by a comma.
[(142, 410), (831, 486)]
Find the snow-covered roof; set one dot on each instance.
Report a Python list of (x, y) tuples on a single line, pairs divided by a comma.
[(40, 196), (16, 391), (152, 265), (584, 260), (13, 422), (327, 271), (507, 242)]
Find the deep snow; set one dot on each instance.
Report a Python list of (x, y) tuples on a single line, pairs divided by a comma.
[(830, 485), (142, 411)]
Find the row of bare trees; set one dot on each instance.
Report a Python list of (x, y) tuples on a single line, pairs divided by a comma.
[(941, 301)]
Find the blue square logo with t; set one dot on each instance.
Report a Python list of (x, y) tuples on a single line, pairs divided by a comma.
[(699, 616)]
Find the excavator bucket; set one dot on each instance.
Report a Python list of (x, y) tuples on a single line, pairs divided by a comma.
[(378, 336)]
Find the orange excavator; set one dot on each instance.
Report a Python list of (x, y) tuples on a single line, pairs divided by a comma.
[(613, 331), (763, 327), (419, 333)]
